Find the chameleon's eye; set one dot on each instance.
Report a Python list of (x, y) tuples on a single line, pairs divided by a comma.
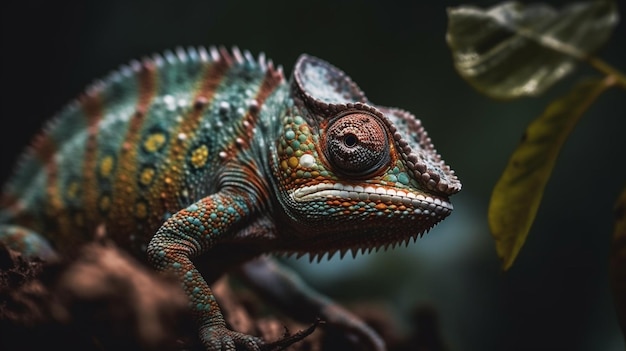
[(357, 144)]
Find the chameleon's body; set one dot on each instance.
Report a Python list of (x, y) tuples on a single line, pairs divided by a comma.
[(195, 152)]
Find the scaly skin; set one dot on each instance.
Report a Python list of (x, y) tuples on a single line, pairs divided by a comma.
[(213, 154)]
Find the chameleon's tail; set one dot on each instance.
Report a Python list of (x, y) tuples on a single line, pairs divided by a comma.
[(24, 240)]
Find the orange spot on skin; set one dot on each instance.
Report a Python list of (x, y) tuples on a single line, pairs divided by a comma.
[(334, 203), (141, 210), (381, 207)]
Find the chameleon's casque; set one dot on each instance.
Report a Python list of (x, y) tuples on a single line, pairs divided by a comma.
[(180, 155)]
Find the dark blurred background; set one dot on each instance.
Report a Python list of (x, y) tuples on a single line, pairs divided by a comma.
[(555, 297)]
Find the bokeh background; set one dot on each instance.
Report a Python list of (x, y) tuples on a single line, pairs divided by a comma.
[(555, 297)]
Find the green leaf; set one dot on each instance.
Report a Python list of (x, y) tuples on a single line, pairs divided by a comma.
[(618, 261), (517, 195), (512, 50)]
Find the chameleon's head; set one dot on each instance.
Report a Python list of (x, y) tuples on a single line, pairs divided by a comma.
[(352, 174)]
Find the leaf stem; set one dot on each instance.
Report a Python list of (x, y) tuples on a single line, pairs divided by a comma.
[(602, 66)]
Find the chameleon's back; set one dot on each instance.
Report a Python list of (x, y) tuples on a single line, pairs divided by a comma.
[(135, 148)]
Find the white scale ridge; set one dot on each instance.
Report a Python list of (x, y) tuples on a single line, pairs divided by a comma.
[(372, 192)]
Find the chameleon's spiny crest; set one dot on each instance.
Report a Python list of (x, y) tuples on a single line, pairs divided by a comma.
[(195, 151)]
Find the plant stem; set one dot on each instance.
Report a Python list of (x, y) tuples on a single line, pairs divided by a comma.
[(607, 69)]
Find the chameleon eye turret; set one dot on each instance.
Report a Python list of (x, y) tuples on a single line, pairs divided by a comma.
[(356, 144)]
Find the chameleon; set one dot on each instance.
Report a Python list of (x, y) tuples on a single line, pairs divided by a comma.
[(212, 156)]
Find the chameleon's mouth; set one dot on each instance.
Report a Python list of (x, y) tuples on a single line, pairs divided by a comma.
[(420, 204), (373, 217)]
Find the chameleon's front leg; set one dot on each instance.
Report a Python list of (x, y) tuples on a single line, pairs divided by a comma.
[(189, 233)]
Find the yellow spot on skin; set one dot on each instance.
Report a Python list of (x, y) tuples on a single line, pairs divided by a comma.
[(141, 210), (106, 166), (146, 176), (283, 165), (293, 162), (72, 190), (199, 156), (154, 142), (105, 203)]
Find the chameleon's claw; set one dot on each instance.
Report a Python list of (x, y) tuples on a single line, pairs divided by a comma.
[(223, 339)]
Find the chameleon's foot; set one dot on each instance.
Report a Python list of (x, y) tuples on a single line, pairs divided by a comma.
[(224, 339)]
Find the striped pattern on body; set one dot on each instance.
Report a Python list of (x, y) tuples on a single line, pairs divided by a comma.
[(140, 145)]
